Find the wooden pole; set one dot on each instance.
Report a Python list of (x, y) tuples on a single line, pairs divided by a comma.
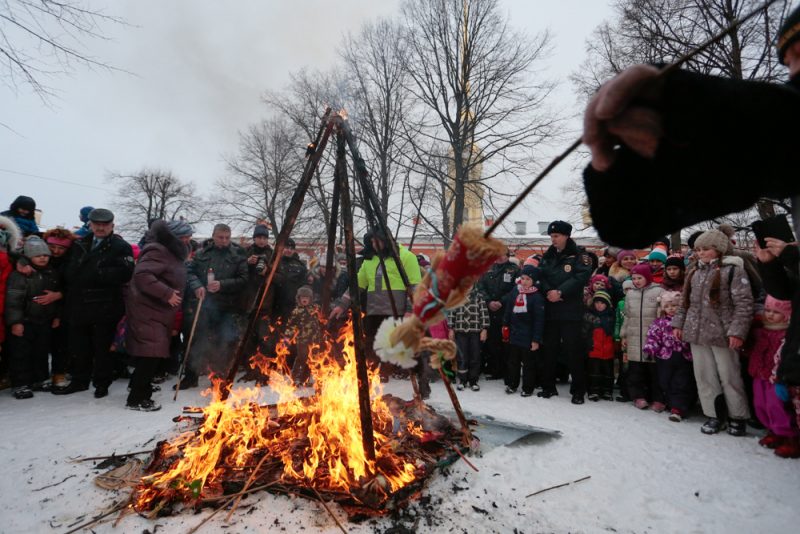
[(330, 256), (315, 150), (365, 409), (188, 348)]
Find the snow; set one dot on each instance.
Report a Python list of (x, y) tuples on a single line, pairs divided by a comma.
[(647, 473)]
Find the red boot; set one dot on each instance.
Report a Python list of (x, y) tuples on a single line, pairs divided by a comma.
[(789, 449), (771, 441)]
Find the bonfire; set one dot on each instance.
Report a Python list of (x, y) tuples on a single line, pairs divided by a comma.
[(305, 444)]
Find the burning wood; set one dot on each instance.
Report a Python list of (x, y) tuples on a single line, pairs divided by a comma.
[(305, 445)]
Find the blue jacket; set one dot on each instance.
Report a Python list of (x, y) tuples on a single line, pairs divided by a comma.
[(528, 326)]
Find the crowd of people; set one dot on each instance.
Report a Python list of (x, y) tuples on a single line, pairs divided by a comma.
[(82, 308), (661, 329), (654, 328)]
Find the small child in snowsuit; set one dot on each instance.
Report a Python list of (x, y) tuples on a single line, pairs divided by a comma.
[(31, 319), (764, 354), (524, 317), (598, 325), (304, 329), (469, 326), (641, 309), (673, 358)]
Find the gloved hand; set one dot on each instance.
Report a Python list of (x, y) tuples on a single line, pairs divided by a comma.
[(612, 116), (506, 334), (782, 392)]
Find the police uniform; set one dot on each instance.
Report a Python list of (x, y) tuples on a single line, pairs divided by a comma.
[(495, 285), (567, 271)]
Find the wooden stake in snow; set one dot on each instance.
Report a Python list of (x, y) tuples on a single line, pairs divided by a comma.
[(558, 486)]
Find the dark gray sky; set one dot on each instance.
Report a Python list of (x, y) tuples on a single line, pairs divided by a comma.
[(198, 70)]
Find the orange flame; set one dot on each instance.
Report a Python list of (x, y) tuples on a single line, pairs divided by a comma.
[(237, 432)]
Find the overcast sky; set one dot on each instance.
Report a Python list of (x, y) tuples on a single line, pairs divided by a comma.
[(197, 71)]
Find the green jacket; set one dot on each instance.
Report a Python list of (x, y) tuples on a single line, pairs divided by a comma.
[(371, 279)]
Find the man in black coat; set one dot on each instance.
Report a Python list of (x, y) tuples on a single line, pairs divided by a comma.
[(99, 265), (565, 271), (495, 286)]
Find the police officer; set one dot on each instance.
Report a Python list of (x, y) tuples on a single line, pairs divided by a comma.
[(99, 266), (565, 270), (495, 286)]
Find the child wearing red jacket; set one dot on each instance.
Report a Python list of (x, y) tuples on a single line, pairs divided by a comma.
[(599, 321)]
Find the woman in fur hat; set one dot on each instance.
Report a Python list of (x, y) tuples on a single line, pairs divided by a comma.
[(714, 318)]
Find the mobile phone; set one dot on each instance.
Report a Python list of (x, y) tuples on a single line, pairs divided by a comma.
[(777, 227)]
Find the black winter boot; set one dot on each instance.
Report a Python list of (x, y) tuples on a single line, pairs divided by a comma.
[(737, 427)]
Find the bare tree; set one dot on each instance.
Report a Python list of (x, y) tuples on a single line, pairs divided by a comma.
[(302, 104), (262, 177), (655, 31), (374, 62), (660, 31), (154, 194), (473, 76), (43, 38)]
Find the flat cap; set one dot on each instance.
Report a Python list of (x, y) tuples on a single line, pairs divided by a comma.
[(101, 215)]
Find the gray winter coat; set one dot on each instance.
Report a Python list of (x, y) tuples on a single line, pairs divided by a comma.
[(709, 325), (641, 309)]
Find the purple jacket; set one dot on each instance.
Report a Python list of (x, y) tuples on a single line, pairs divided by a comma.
[(661, 343)]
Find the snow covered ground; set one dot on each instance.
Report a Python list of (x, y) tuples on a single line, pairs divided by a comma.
[(647, 473)]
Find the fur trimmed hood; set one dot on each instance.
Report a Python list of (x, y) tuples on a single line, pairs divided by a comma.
[(159, 233), (14, 235), (736, 261)]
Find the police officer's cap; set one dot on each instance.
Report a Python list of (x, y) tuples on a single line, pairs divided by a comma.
[(559, 227), (101, 215)]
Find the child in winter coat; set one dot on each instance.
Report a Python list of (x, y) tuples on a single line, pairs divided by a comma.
[(598, 324), (524, 317), (598, 282), (469, 326), (714, 318), (673, 358), (656, 259), (30, 320), (763, 356), (641, 309), (304, 329), (674, 274)]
